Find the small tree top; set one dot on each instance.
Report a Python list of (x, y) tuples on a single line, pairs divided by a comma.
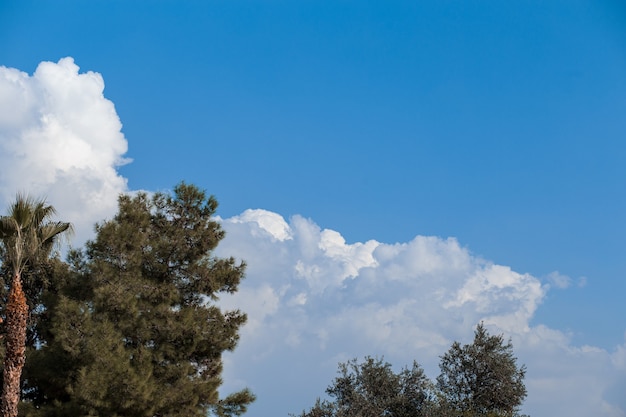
[(27, 233), (482, 377)]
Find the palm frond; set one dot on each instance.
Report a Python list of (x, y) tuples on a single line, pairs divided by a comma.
[(27, 232), (8, 227)]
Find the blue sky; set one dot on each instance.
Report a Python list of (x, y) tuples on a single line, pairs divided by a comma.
[(500, 124)]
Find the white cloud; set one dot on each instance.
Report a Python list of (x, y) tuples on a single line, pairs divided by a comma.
[(266, 221), (559, 280), (406, 301), (61, 139)]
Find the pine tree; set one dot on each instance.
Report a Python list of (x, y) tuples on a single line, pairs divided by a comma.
[(131, 325)]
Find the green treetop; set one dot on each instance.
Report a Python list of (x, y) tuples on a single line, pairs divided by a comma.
[(131, 326), (482, 378), (373, 389)]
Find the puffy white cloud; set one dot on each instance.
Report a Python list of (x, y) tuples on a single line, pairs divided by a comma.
[(322, 300), (61, 139), (266, 221)]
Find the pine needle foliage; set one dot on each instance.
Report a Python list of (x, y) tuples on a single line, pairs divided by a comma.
[(131, 325)]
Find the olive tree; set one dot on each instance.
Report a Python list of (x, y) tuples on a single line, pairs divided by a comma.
[(481, 378)]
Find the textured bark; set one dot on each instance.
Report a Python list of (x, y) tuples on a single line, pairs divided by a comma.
[(16, 316)]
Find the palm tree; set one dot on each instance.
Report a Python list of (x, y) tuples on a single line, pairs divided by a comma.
[(27, 236)]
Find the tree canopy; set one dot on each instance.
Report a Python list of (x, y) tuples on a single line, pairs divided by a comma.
[(372, 388), (480, 379), (129, 325)]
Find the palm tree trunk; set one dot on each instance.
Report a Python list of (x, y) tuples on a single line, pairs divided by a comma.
[(16, 317)]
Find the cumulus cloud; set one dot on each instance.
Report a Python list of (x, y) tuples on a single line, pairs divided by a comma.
[(61, 139), (315, 299)]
